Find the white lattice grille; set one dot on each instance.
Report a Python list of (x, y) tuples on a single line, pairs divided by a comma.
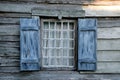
[(58, 43)]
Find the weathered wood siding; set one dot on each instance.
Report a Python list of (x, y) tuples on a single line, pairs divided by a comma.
[(108, 32), (108, 49)]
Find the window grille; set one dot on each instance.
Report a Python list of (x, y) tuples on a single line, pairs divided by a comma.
[(58, 43)]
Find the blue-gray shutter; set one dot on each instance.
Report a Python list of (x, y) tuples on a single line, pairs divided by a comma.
[(87, 44), (29, 45)]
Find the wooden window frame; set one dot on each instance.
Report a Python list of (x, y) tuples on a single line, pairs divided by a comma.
[(75, 46)]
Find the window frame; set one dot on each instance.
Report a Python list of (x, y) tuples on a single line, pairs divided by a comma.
[(75, 42)]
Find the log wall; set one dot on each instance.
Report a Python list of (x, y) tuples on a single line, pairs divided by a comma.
[(108, 42)]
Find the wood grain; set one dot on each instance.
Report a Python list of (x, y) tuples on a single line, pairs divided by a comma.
[(4, 20), (87, 44), (29, 39), (108, 56), (5, 38)]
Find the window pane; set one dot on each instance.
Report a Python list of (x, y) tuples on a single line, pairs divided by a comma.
[(58, 27), (71, 52), (71, 61), (46, 24), (71, 26), (52, 25), (65, 25), (71, 34), (65, 35)]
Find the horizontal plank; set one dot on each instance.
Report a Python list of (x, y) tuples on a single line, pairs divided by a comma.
[(26, 8), (9, 50), (108, 33), (9, 32), (102, 11), (91, 10), (108, 44), (108, 22), (9, 62), (9, 53), (15, 15), (5, 38), (109, 67), (83, 2), (106, 67), (108, 56), (58, 12), (9, 21), (9, 29), (9, 69), (10, 44)]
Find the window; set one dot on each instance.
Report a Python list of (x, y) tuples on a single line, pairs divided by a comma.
[(58, 43)]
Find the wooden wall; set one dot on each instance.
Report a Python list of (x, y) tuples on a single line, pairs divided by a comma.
[(108, 48)]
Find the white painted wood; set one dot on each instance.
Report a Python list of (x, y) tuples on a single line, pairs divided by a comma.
[(109, 33), (111, 44), (101, 10), (108, 22), (108, 56), (106, 67)]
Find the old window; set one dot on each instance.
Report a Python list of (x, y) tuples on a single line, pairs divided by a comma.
[(58, 43)]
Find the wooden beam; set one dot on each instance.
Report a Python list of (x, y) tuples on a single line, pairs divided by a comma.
[(58, 12)]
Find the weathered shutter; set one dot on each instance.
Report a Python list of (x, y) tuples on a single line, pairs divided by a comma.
[(29, 44), (87, 44)]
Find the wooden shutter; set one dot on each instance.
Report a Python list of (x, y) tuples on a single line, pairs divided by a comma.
[(87, 44), (29, 44)]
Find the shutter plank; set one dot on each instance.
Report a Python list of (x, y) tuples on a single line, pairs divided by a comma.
[(29, 45), (87, 44)]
